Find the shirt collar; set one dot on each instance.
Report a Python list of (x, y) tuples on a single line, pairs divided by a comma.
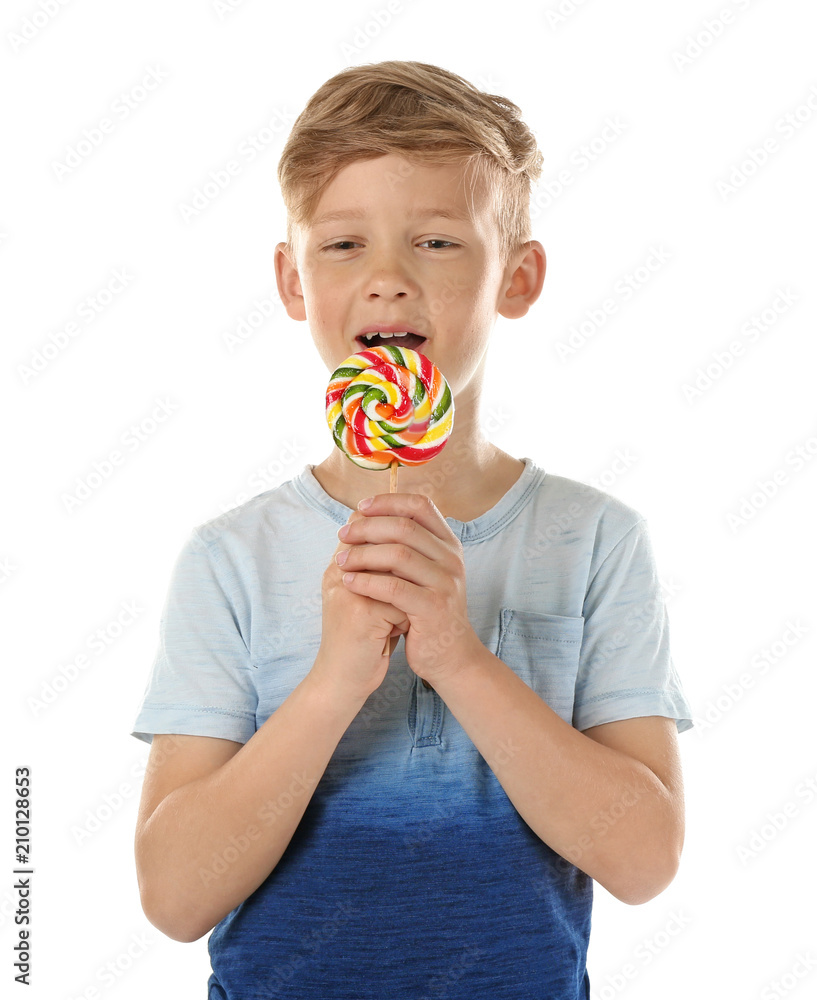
[(482, 527)]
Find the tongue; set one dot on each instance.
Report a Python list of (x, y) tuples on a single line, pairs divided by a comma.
[(411, 340)]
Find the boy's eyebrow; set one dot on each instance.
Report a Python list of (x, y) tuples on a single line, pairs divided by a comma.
[(359, 214)]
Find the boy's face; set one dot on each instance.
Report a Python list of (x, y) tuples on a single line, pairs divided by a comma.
[(402, 250)]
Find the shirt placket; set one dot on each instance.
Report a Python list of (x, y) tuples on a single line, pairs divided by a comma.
[(425, 715)]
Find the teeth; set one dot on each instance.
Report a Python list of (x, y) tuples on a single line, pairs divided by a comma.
[(386, 336)]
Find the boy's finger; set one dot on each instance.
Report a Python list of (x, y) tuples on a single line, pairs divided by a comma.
[(417, 506), (391, 560), (399, 531)]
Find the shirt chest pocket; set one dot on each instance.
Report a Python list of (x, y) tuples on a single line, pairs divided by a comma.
[(544, 651)]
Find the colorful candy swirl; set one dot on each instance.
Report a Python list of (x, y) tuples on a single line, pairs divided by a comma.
[(389, 403)]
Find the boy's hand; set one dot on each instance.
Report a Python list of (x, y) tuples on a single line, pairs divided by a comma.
[(354, 630), (402, 553)]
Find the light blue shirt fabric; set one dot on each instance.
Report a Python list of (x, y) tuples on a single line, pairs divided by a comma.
[(411, 874)]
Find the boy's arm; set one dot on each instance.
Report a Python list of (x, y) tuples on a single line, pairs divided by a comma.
[(610, 799), (215, 819), (215, 815)]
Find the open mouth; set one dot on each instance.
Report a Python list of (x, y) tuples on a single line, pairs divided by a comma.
[(411, 340)]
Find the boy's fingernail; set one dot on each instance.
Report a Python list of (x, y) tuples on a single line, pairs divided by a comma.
[(344, 531), (341, 557), (365, 503)]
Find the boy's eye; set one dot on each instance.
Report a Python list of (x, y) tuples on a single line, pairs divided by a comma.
[(342, 245)]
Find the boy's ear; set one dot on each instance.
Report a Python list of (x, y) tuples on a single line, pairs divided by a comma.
[(289, 284), (522, 281)]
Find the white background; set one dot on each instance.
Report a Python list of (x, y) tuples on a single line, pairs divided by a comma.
[(244, 419)]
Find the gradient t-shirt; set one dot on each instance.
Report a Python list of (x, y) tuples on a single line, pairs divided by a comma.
[(411, 875)]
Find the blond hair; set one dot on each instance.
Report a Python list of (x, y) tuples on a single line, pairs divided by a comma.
[(421, 112)]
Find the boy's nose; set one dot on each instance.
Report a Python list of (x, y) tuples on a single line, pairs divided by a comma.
[(389, 277)]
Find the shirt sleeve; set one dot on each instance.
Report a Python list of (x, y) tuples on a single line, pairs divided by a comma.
[(625, 667), (201, 682)]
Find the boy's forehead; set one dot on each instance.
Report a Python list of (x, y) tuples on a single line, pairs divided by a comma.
[(416, 212), (421, 191)]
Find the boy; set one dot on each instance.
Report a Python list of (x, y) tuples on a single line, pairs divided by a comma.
[(424, 821)]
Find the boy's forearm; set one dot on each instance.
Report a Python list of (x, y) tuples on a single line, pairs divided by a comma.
[(212, 842), (564, 784)]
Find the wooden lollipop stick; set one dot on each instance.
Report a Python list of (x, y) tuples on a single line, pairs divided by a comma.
[(392, 489)]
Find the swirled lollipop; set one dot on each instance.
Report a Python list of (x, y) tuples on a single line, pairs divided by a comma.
[(389, 406)]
